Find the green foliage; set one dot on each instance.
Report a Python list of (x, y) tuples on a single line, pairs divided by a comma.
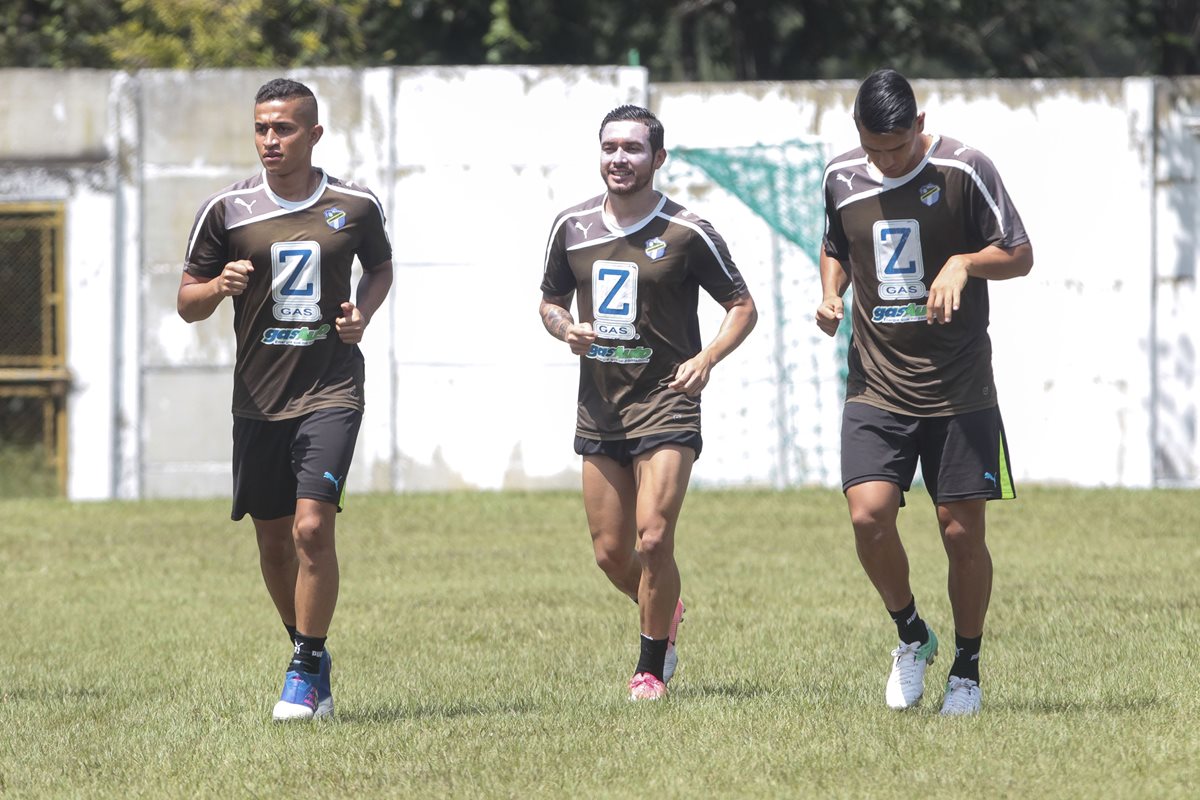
[(248, 33), (480, 653), (54, 33), (676, 39)]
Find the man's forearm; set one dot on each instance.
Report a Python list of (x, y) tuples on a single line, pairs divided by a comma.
[(373, 288), (834, 277), (197, 301), (556, 319), (997, 264)]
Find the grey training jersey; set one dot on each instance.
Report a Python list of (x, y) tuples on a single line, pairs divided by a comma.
[(896, 234), (639, 288), (290, 360)]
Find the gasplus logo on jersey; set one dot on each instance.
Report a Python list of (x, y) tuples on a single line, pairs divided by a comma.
[(891, 315), (295, 337)]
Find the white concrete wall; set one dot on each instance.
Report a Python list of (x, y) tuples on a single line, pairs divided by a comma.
[(55, 142), (1095, 351), (1176, 303), (485, 158)]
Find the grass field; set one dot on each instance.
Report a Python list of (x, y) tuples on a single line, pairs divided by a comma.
[(479, 653)]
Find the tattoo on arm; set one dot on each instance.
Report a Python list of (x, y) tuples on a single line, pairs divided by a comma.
[(556, 318)]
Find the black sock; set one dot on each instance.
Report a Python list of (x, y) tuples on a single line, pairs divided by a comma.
[(966, 657), (909, 624), (307, 654), (291, 629), (654, 653)]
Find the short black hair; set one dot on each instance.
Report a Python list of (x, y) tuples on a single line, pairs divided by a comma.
[(285, 89), (885, 102), (629, 113)]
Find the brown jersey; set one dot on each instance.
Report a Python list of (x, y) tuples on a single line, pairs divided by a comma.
[(896, 234), (290, 360), (639, 288)]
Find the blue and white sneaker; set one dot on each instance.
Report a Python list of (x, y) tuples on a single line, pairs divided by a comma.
[(298, 701), (325, 689)]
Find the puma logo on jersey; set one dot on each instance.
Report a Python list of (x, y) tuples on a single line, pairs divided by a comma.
[(849, 181), (249, 206), (583, 227)]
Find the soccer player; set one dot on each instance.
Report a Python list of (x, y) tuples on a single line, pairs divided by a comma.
[(920, 223), (281, 244), (637, 261)]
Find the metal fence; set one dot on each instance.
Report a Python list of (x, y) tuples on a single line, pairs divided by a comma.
[(33, 375)]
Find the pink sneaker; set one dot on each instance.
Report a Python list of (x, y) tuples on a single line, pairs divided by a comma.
[(672, 657), (645, 686)]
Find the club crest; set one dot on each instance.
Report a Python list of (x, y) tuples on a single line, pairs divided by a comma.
[(655, 248), (335, 218), (930, 194)]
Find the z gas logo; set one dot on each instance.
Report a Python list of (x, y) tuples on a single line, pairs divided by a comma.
[(912, 290), (891, 315), (296, 312), (295, 337), (615, 330)]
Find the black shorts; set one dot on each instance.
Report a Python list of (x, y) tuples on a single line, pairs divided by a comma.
[(623, 450), (277, 463), (963, 457)]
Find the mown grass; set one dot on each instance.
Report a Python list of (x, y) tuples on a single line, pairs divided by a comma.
[(26, 472), (479, 653)]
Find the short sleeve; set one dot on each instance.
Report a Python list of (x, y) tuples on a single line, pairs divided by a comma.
[(375, 248), (710, 262), (834, 240), (994, 218), (557, 278), (207, 250)]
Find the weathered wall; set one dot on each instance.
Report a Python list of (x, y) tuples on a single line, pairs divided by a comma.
[(1095, 351)]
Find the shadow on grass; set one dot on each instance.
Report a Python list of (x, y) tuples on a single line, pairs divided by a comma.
[(418, 710), (732, 690), (1066, 706)]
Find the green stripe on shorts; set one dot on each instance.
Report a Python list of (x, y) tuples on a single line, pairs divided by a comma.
[(1007, 492)]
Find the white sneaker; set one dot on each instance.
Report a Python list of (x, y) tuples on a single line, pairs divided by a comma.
[(672, 659), (963, 697), (906, 683)]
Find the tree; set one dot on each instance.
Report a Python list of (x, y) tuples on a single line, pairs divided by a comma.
[(676, 39)]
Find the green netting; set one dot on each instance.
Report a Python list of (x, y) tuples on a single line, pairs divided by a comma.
[(781, 184)]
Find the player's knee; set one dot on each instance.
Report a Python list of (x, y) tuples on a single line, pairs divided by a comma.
[(871, 522), (310, 536), (655, 542), (613, 562), (962, 541)]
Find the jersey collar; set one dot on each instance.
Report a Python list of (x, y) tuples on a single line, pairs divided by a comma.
[(892, 183), (611, 224), (296, 205)]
